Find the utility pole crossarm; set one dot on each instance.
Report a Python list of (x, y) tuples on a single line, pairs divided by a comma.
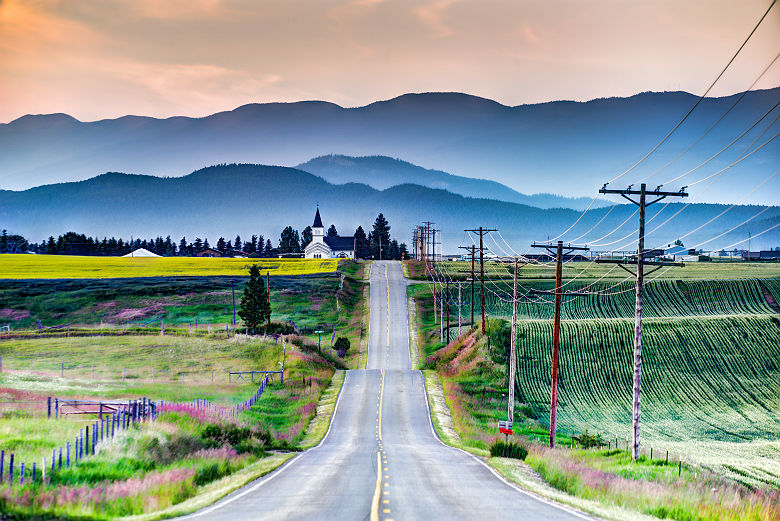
[(643, 193), (646, 263)]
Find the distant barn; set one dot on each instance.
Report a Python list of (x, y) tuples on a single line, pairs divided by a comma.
[(208, 252)]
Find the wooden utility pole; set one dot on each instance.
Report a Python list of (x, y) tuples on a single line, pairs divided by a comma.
[(640, 274), (513, 352), (482, 231), (556, 329), (472, 248), (447, 297), (473, 252), (460, 302)]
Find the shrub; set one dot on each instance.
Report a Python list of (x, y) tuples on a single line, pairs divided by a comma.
[(501, 449), (342, 346), (588, 441), (281, 328), (243, 439)]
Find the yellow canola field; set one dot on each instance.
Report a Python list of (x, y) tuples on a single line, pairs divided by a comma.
[(74, 267)]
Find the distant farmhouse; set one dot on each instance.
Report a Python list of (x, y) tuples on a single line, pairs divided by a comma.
[(322, 247)]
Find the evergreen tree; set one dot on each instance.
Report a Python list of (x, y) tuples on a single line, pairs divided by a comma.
[(380, 236), (255, 310), (393, 252), (221, 244), (269, 248), (197, 245), (332, 231), (404, 251), (306, 236), (237, 244), (289, 242), (361, 243), (182, 246), (206, 244), (170, 247), (51, 247)]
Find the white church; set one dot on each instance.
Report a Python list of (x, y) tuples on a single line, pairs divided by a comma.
[(322, 247)]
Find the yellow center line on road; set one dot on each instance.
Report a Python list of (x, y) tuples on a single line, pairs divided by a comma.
[(377, 489), (381, 398)]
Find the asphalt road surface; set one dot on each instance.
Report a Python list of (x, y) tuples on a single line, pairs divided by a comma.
[(381, 459)]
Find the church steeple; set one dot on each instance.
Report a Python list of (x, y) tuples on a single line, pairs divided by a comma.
[(317, 220), (317, 230)]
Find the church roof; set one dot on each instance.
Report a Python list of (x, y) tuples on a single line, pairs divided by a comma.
[(340, 243), (317, 220)]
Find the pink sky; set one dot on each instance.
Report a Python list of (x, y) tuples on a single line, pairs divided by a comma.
[(98, 59)]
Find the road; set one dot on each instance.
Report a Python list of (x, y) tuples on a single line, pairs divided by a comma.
[(381, 459)]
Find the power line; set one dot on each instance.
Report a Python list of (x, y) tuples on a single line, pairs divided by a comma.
[(701, 98)]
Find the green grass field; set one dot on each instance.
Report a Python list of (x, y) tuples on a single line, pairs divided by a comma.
[(176, 449), (74, 267), (185, 305), (115, 350), (711, 391)]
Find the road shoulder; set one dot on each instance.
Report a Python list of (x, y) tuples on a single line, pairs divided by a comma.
[(514, 471), (213, 492)]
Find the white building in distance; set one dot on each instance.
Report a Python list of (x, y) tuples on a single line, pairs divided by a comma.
[(322, 247)]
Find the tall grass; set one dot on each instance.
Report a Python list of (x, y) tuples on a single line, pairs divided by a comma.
[(604, 476)]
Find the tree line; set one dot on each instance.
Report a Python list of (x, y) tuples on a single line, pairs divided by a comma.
[(291, 242)]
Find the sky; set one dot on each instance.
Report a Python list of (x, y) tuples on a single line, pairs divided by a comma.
[(97, 59)]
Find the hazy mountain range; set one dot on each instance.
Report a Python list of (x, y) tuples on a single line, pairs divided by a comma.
[(382, 172), (566, 148), (228, 199)]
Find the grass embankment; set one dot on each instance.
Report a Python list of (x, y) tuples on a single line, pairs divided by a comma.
[(74, 267), (710, 396), (184, 456)]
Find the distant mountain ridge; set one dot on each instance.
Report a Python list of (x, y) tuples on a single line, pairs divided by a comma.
[(567, 148), (226, 199), (383, 172)]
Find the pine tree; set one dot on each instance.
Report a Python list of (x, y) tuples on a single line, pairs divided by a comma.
[(269, 248), (332, 232), (306, 236), (380, 237), (182, 246), (361, 243), (393, 252), (221, 244), (237, 244), (255, 310)]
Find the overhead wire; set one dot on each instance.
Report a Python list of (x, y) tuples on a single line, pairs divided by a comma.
[(736, 102), (684, 118)]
